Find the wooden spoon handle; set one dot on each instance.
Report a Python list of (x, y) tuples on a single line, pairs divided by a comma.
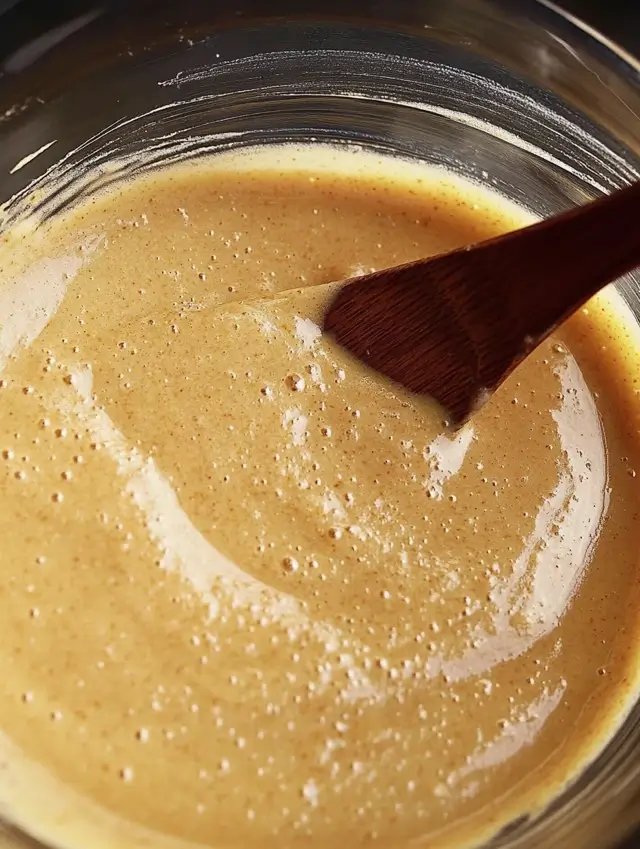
[(561, 263), (565, 260)]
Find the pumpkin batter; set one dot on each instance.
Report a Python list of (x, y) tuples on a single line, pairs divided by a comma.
[(253, 596)]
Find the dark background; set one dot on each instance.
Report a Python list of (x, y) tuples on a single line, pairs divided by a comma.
[(619, 19), (21, 20)]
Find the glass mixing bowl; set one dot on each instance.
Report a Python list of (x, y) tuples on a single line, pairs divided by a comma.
[(516, 95)]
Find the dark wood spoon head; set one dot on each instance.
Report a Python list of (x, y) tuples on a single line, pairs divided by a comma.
[(421, 330)]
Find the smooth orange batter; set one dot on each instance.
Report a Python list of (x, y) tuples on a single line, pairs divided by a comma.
[(253, 596)]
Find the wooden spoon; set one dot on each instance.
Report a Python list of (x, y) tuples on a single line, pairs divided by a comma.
[(456, 325)]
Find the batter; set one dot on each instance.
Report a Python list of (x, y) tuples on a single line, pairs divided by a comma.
[(253, 596)]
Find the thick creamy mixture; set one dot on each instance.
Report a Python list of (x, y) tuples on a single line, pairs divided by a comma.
[(250, 594)]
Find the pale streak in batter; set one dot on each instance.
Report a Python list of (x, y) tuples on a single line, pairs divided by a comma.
[(252, 595)]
